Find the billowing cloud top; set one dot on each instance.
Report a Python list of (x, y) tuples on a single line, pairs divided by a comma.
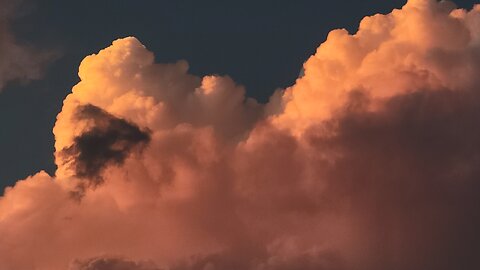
[(370, 161)]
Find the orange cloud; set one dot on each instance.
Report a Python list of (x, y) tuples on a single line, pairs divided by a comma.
[(370, 161)]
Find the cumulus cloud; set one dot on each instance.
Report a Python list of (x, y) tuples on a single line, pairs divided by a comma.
[(18, 62), (369, 161)]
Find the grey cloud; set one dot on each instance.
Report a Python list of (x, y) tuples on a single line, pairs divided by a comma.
[(18, 62), (107, 142), (111, 264)]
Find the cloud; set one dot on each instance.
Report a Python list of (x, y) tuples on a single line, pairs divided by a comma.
[(18, 62), (369, 161), (109, 140), (111, 264)]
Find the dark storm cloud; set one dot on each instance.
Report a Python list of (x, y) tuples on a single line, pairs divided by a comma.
[(18, 61), (108, 141)]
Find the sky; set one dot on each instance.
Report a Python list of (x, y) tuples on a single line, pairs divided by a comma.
[(184, 135)]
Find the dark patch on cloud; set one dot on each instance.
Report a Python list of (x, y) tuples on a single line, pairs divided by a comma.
[(108, 141), (112, 264)]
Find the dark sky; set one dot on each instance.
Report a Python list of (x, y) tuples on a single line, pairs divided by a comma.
[(261, 44)]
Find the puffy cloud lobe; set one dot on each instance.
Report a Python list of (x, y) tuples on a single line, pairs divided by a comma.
[(427, 45), (370, 161)]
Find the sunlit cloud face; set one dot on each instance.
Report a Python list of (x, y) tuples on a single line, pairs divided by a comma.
[(369, 161)]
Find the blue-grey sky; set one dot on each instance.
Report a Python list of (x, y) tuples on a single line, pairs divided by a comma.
[(261, 44)]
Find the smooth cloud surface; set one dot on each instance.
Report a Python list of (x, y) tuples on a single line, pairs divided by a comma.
[(370, 161)]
